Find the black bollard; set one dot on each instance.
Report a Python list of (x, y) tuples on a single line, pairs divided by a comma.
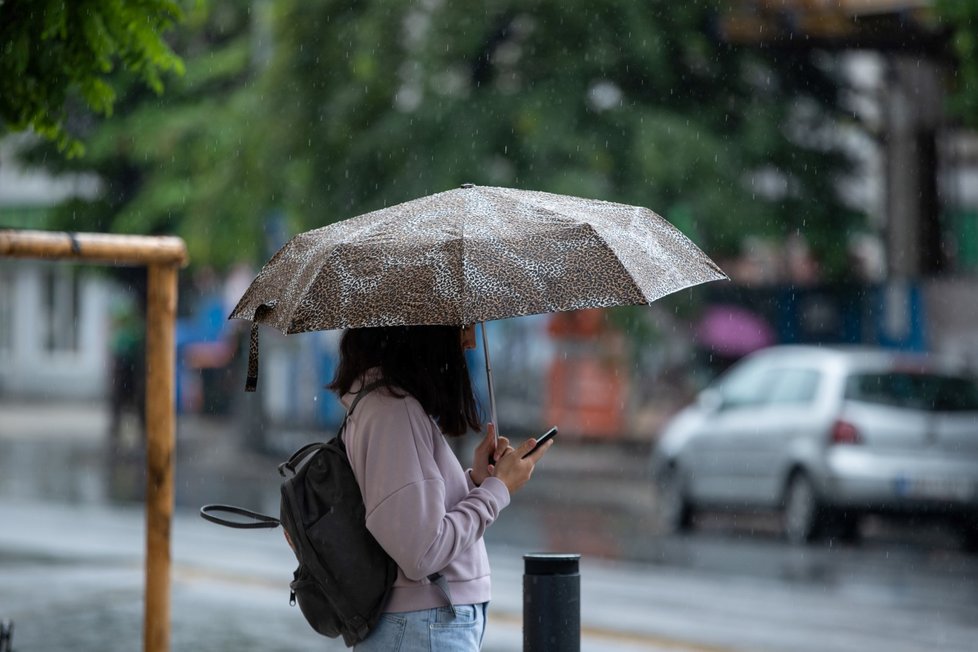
[(551, 603), (6, 636)]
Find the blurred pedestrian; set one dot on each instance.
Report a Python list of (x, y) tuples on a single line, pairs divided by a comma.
[(127, 395), (428, 513)]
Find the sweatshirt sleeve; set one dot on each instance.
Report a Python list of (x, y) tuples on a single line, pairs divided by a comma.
[(404, 492)]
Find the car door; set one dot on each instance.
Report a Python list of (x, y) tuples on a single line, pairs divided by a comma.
[(714, 461), (764, 450)]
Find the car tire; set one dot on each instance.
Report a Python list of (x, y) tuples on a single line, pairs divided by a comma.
[(675, 511), (802, 511)]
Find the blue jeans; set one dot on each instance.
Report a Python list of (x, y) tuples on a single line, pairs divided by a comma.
[(428, 630)]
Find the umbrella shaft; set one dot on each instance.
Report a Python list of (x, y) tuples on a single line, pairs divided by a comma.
[(492, 393)]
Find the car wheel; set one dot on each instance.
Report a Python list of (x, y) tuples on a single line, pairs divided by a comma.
[(802, 511), (674, 508)]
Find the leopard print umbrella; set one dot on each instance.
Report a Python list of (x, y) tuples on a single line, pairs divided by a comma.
[(470, 255)]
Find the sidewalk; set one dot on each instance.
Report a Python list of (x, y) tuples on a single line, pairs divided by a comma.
[(229, 587), (596, 474), (52, 485), (592, 498)]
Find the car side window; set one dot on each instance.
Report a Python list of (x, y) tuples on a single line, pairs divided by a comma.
[(793, 387), (746, 387)]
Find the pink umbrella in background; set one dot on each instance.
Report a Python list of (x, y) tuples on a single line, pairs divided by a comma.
[(733, 331)]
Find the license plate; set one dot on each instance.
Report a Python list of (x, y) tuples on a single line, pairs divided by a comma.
[(935, 488)]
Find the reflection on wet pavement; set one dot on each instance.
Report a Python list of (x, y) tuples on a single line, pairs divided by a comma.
[(561, 509)]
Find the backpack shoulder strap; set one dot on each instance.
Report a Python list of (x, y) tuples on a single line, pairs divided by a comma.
[(297, 457), (366, 389), (295, 460)]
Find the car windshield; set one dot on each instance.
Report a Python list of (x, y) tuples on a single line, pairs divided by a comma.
[(922, 391)]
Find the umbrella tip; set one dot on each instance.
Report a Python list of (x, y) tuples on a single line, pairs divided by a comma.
[(468, 185)]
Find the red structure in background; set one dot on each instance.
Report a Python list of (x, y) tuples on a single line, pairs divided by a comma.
[(587, 379)]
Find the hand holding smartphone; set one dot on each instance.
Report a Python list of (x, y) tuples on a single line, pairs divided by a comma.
[(550, 434)]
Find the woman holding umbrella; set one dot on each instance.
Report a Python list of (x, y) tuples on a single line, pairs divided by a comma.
[(425, 510), (472, 254)]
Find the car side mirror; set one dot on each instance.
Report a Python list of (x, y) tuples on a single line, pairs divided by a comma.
[(710, 401)]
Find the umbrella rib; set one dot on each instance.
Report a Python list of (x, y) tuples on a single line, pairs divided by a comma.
[(711, 274), (464, 290), (617, 260), (317, 252), (628, 273)]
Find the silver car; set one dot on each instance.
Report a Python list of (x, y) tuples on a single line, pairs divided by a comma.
[(826, 435)]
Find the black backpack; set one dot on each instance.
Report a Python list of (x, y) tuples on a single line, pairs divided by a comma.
[(344, 576)]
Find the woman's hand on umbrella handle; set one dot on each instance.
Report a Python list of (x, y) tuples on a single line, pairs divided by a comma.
[(514, 469), (487, 453)]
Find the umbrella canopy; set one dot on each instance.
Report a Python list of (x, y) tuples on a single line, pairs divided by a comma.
[(470, 255)]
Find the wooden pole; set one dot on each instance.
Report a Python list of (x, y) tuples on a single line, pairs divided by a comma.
[(163, 255), (160, 437), (93, 247)]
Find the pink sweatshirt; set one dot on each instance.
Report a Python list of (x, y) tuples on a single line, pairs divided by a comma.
[(422, 507)]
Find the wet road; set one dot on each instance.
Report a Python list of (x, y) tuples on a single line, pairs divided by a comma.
[(71, 545)]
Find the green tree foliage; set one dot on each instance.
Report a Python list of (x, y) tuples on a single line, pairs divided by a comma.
[(624, 100), (318, 110), (183, 162), (962, 18), (53, 51)]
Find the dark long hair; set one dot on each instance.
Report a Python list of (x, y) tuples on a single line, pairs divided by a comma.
[(427, 362)]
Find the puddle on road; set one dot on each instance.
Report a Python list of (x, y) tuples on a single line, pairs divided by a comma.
[(541, 518), (75, 472), (90, 472), (56, 470)]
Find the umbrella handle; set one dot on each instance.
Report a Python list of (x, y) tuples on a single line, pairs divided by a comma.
[(492, 393)]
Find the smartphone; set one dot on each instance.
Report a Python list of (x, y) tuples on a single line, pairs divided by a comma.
[(550, 434)]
